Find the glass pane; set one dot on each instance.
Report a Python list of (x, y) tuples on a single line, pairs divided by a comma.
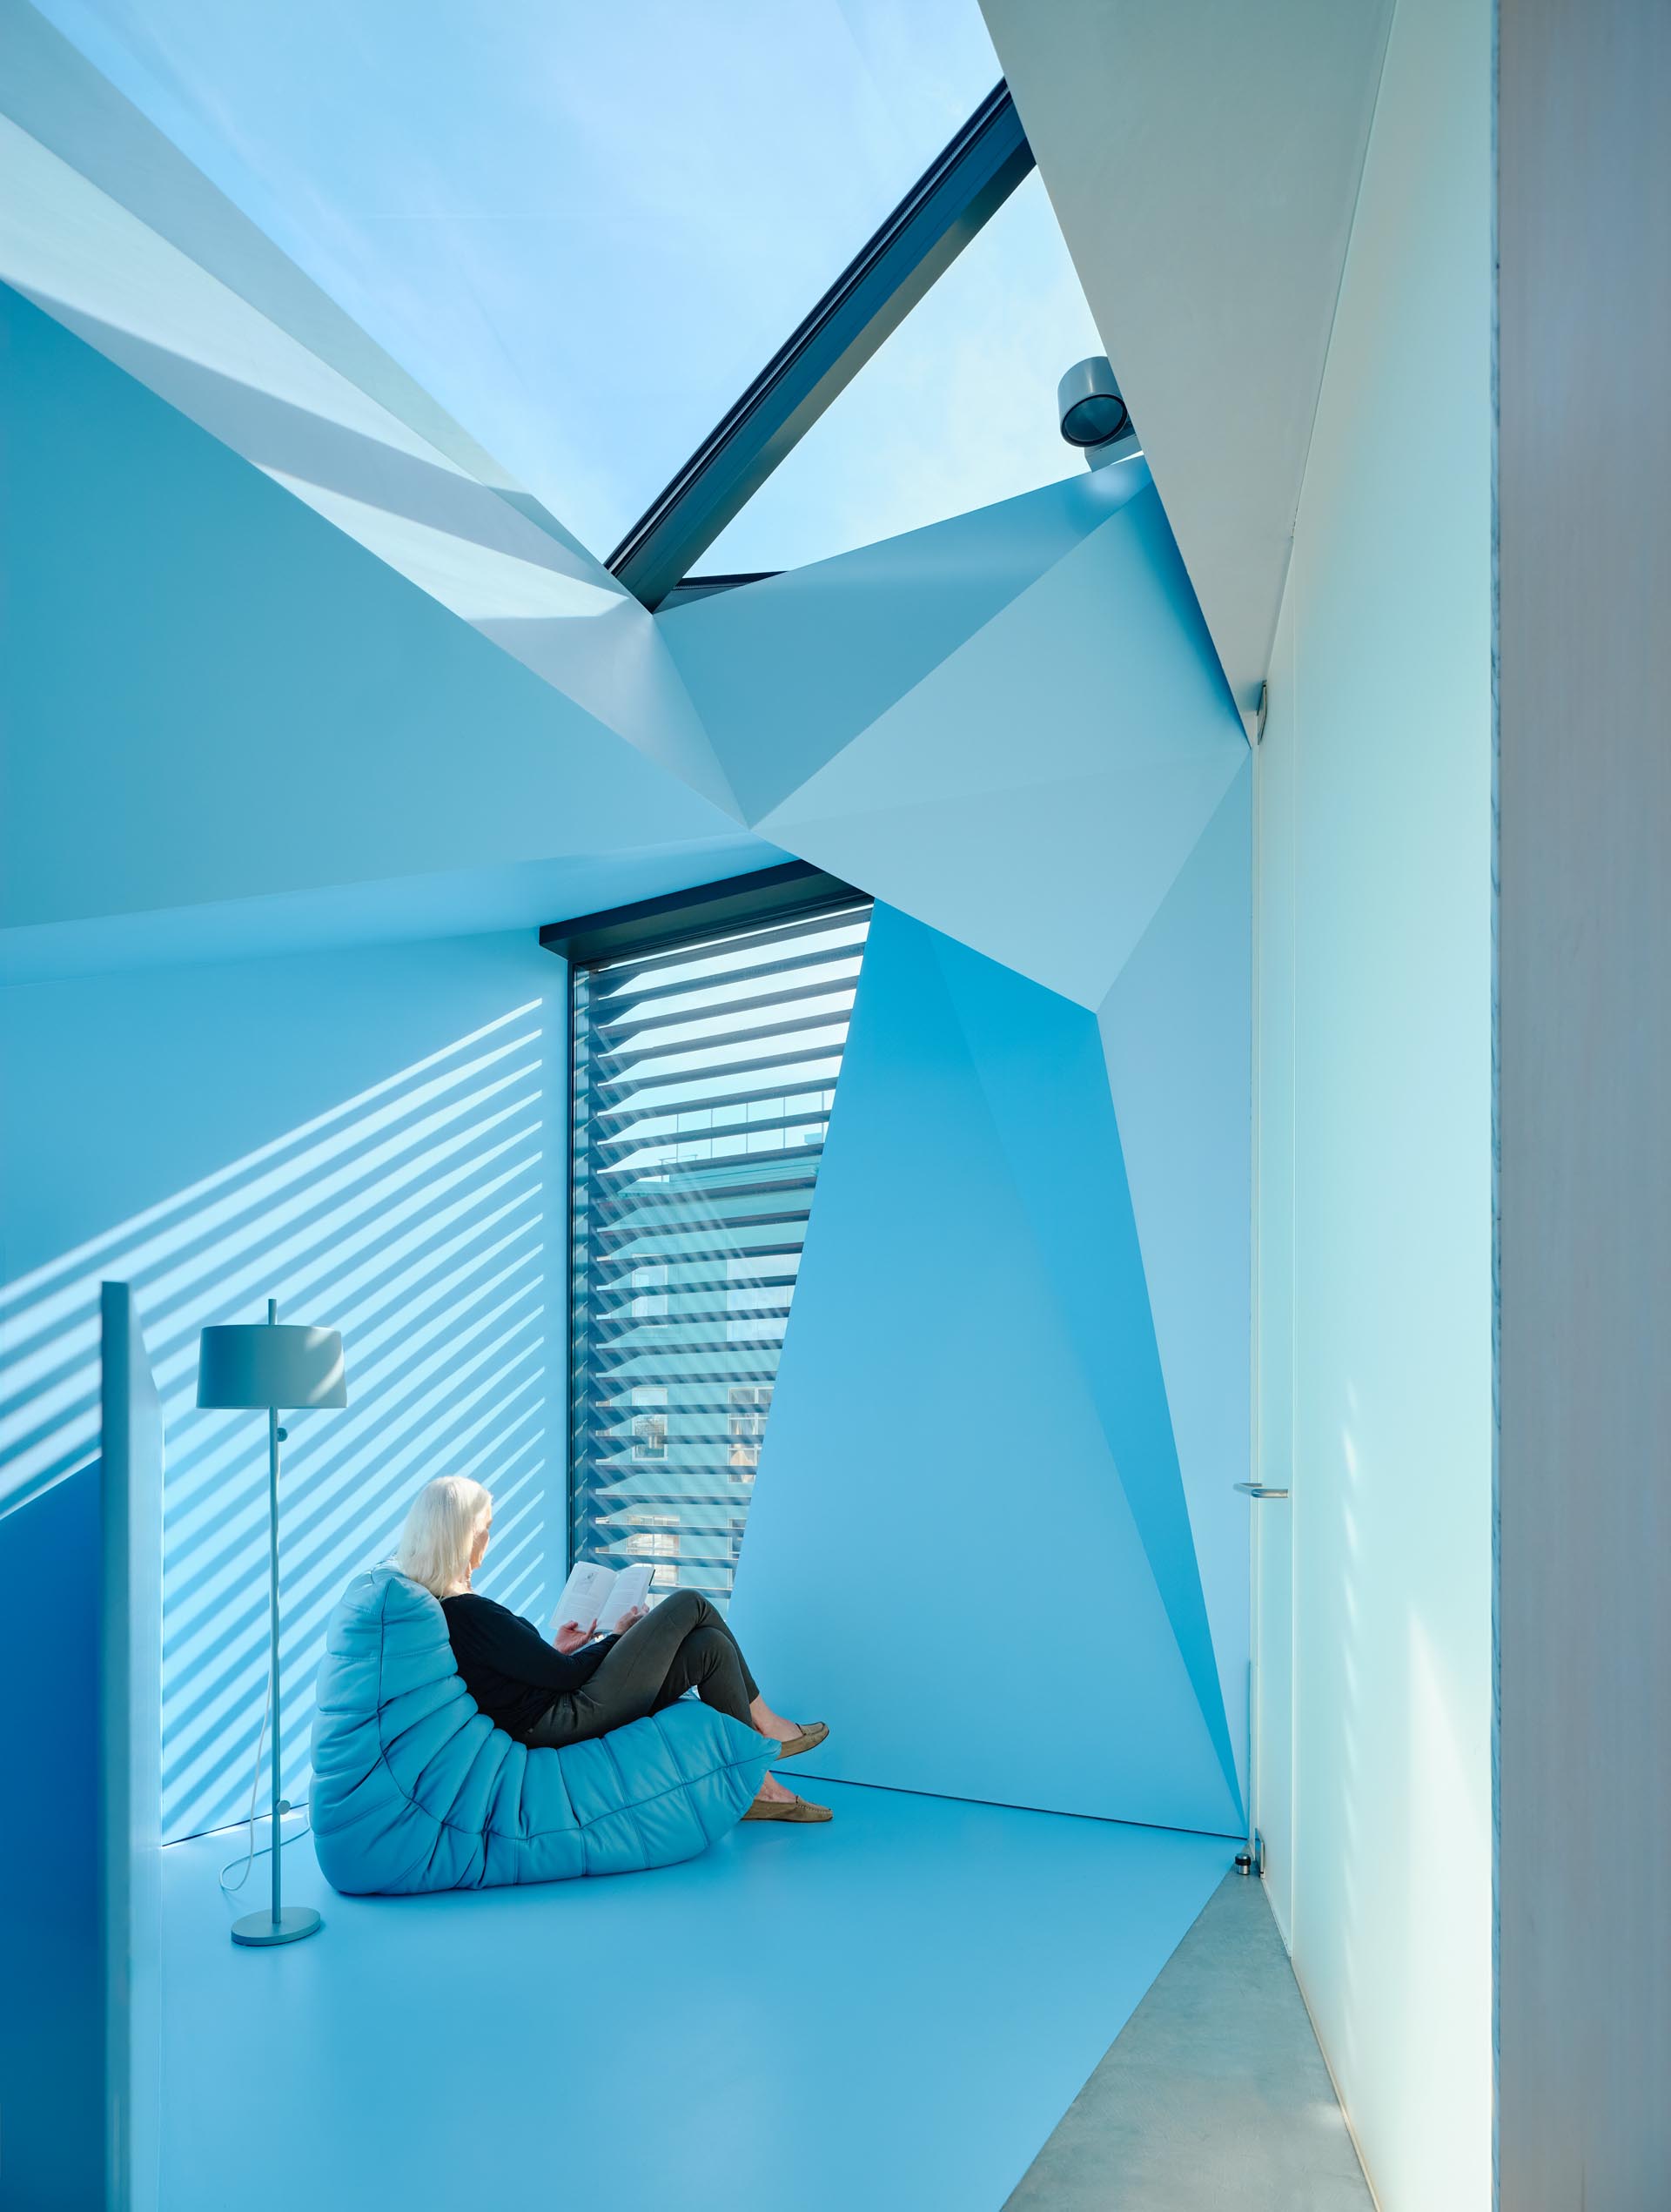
[(956, 410), (583, 229), (703, 1082)]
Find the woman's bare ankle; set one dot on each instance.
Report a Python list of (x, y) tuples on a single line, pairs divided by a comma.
[(771, 1724)]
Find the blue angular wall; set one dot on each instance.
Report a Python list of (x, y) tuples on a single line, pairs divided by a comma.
[(971, 1547)]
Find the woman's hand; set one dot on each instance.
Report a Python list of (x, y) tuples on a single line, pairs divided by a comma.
[(630, 1619), (570, 1637)]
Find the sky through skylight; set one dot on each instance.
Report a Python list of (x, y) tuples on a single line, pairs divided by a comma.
[(584, 229), (955, 410)]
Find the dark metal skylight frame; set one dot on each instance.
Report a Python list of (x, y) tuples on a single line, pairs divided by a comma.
[(949, 203)]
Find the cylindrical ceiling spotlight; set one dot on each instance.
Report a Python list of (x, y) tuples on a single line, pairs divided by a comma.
[(1093, 415)]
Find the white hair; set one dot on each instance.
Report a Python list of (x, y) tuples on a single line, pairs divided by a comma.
[(440, 1533)]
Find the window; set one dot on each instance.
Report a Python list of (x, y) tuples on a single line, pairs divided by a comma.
[(747, 1431), (649, 1427), (957, 410), (535, 207), (705, 1072)]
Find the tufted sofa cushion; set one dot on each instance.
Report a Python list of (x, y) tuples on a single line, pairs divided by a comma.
[(413, 1789)]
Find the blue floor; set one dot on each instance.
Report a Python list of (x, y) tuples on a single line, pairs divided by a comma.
[(892, 2011)]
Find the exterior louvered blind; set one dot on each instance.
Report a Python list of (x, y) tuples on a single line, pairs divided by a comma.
[(704, 1077)]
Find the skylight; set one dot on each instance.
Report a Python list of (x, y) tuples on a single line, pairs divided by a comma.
[(582, 229), (955, 410)]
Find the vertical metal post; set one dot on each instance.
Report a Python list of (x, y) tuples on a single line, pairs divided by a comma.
[(1247, 1862), (1251, 1860), (273, 1572)]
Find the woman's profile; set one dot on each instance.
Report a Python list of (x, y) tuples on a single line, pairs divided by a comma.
[(549, 1694)]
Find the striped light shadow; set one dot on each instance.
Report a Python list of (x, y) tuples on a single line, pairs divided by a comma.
[(202, 1498), (424, 1217), (48, 1320), (413, 1442), (52, 1293)]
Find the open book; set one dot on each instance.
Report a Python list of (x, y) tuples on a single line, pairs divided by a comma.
[(595, 1595)]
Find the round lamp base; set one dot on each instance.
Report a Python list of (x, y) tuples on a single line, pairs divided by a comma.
[(292, 1924)]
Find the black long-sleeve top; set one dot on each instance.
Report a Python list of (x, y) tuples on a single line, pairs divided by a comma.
[(508, 1666)]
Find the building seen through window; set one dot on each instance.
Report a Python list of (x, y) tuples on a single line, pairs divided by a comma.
[(750, 1403)]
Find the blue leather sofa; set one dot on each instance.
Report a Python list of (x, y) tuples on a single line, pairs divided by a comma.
[(413, 1789)]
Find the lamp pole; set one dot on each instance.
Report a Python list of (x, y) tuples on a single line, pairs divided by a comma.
[(261, 1929), (250, 1367), (277, 1677)]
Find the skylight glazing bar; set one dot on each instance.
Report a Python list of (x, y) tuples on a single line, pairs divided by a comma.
[(945, 208)]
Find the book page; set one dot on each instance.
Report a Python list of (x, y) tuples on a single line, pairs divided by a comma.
[(632, 1587), (585, 1595)]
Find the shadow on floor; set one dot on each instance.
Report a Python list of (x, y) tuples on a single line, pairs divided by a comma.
[(1214, 2093)]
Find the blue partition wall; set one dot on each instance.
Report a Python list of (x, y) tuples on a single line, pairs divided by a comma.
[(51, 1984), (131, 1557), (972, 1548), (79, 1939)]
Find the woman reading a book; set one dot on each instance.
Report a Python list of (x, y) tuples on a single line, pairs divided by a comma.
[(580, 1683)]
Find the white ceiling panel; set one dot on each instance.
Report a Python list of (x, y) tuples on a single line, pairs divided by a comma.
[(1203, 156)]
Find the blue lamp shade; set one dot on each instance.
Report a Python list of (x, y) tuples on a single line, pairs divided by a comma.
[(270, 1364)]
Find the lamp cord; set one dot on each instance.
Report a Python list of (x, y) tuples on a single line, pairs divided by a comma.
[(251, 1854)]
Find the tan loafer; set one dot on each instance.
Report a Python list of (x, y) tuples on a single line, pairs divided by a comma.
[(814, 1733), (789, 1809)]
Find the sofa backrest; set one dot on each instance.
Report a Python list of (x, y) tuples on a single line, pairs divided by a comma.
[(414, 1789), (409, 1779)]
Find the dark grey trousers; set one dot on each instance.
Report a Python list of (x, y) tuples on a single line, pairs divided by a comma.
[(684, 1645)]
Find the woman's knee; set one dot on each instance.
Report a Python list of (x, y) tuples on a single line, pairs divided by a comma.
[(708, 1648), (685, 1607)]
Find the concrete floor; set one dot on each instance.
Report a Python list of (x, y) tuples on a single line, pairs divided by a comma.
[(887, 2014), (1214, 2097)]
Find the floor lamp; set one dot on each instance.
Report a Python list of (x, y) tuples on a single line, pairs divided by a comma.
[(267, 1367)]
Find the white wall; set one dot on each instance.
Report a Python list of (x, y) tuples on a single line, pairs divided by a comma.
[(375, 1136), (1375, 1191)]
